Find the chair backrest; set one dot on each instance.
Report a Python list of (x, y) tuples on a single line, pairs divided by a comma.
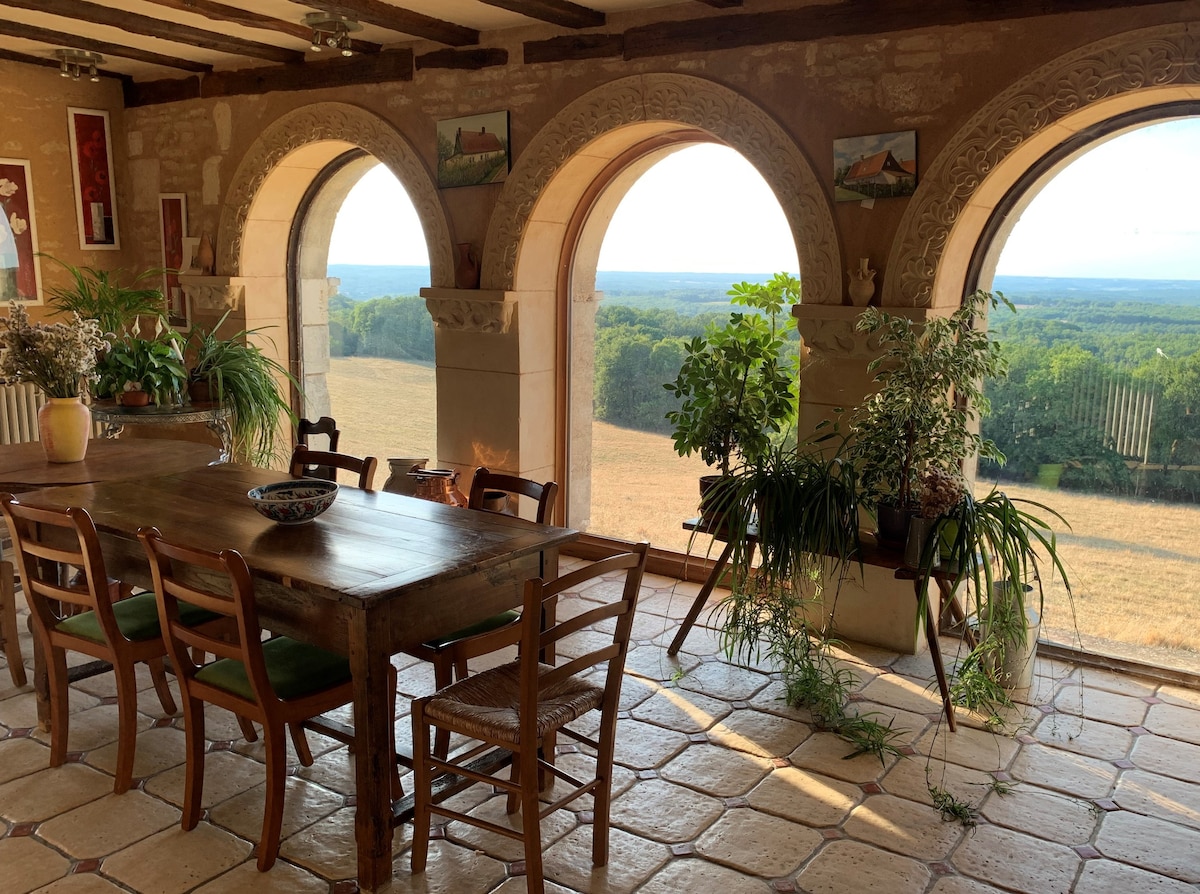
[(536, 637), (543, 494), (177, 570), (323, 426), (44, 542), (304, 460)]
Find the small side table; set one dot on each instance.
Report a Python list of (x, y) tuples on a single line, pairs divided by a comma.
[(113, 418), (718, 533)]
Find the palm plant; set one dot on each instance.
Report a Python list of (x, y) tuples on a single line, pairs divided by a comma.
[(98, 295), (241, 376)]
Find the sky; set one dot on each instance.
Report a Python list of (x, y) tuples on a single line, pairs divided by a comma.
[(1110, 213)]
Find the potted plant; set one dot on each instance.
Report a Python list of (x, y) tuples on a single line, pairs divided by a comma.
[(237, 373), (99, 295), (136, 371), (737, 382), (930, 393)]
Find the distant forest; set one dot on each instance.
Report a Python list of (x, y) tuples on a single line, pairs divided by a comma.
[(1076, 348)]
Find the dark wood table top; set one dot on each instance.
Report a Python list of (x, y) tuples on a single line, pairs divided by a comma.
[(368, 546), (24, 466)]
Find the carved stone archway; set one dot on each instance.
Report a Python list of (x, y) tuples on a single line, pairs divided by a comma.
[(345, 124), (665, 99), (944, 221)]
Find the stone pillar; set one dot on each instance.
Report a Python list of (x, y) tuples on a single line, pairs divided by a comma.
[(495, 380)]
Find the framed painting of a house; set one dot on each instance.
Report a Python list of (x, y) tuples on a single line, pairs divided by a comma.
[(91, 163), (473, 150), (20, 272), (880, 166), (172, 218)]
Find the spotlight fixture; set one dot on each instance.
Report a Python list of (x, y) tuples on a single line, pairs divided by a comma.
[(74, 63), (332, 31)]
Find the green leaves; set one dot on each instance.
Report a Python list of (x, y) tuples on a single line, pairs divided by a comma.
[(154, 364), (98, 295), (737, 382)]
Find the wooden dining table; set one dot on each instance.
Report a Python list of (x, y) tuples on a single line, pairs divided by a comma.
[(374, 574)]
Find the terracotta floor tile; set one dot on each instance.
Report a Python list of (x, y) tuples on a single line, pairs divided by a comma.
[(724, 681), (1152, 844), (173, 861), (29, 864), (682, 710), (450, 869), (1016, 861), (1174, 721), (1106, 877), (554, 827), (957, 884), (803, 796), (1073, 774), (759, 733), (870, 869), (1061, 818), (282, 879), (903, 827), (304, 803), (1097, 704), (80, 883), (716, 771), (327, 847), (631, 861), (1168, 757), (107, 824), (46, 793), (904, 693), (969, 747), (21, 757), (700, 875), (1083, 736), (642, 746), (758, 843), (826, 754), (1159, 796), (639, 811)]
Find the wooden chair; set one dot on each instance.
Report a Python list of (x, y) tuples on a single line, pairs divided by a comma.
[(8, 624), (450, 654), (305, 464), (277, 683), (120, 631), (519, 706), (325, 426)]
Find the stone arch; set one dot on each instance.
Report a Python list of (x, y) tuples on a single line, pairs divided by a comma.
[(931, 259), (343, 126), (634, 108)]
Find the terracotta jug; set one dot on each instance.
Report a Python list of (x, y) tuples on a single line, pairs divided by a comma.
[(206, 257), (466, 272)]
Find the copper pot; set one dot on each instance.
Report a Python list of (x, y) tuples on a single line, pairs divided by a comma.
[(438, 485)]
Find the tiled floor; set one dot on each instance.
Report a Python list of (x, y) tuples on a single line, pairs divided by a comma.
[(722, 788)]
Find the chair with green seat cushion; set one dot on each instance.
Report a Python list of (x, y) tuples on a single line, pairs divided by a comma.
[(279, 683), (451, 653), (46, 542)]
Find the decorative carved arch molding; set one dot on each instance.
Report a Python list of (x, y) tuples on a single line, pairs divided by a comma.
[(347, 124), (686, 100), (947, 215)]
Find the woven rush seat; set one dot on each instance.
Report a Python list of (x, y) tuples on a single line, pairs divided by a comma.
[(488, 703)]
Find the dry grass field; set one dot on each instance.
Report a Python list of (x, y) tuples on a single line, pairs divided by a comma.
[(1134, 564)]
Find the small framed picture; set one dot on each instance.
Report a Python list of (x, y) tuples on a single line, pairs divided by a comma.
[(92, 167), (880, 166), (20, 268), (172, 216), (473, 150)]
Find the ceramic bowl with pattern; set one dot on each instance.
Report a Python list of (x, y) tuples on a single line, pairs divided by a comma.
[(293, 502)]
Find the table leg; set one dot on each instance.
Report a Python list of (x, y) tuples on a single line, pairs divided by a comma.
[(221, 428), (701, 598), (373, 718), (935, 652)]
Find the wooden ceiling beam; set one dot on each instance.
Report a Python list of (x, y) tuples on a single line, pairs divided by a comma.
[(384, 15), (464, 60), (572, 47), (556, 12), (219, 12), (390, 65), (847, 18), (722, 4), (75, 41), (83, 11)]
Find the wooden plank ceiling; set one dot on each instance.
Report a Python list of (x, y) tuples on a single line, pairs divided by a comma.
[(165, 49)]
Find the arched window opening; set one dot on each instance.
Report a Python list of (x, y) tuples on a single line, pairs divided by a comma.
[(668, 237), (367, 338), (1099, 417)]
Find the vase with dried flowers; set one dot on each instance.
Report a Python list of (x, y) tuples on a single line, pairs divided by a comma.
[(60, 359)]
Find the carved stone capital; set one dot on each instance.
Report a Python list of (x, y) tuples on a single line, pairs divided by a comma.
[(471, 310), (213, 293)]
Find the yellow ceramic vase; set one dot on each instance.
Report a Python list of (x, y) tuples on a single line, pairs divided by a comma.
[(64, 424)]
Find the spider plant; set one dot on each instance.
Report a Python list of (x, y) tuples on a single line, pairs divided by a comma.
[(241, 376)]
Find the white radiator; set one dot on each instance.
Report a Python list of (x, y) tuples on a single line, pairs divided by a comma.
[(18, 413)]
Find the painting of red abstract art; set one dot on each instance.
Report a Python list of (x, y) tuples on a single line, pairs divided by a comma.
[(91, 163)]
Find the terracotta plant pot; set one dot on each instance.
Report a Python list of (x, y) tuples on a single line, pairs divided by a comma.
[(134, 398)]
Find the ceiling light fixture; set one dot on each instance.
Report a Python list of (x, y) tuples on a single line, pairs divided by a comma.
[(74, 63), (332, 31)]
